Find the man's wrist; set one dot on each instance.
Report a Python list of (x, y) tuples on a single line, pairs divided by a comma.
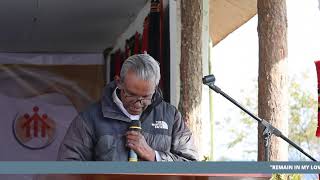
[(151, 156)]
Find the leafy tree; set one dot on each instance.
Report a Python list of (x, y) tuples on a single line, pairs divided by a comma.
[(302, 123)]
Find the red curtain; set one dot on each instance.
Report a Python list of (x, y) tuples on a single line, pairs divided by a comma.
[(318, 75)]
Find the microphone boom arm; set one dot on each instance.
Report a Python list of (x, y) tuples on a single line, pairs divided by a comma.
[(269, 129)]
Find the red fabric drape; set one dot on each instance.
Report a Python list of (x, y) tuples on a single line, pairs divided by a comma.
[(118, 62), (145, 36), (136, 43), (318, 75), (155, 34)]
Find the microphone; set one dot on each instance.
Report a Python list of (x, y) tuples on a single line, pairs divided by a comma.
[(135, 125), (208, 79)]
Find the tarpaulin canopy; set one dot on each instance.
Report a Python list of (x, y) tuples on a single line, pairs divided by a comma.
[(226, 16)]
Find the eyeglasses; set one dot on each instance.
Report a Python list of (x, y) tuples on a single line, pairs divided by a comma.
[(145, 100)]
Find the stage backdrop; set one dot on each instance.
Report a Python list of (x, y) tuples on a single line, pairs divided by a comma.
[(40, 94)]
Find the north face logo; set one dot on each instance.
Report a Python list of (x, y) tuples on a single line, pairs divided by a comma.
[(160, 125)]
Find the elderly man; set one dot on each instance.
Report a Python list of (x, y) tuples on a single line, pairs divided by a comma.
[(101, 132)]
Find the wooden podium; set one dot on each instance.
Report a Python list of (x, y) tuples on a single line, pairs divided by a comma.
[(156, 177)]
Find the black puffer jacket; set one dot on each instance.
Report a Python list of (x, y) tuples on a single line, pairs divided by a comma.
[(99, 132)]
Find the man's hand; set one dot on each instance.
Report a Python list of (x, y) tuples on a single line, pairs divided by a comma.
[(137, 142)]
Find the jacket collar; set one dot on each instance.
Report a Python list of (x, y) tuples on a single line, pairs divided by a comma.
[(111, 110)]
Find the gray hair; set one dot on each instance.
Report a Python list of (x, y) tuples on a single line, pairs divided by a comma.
[(144, 66)]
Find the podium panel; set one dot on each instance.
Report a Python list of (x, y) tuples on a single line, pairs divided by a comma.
[(155, 177)]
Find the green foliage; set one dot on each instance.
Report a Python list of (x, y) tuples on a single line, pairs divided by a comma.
[(239, 137), (286, 177), (302, 121), (244, 131), (205, 158)]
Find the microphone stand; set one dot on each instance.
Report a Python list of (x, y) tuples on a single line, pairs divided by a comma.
[(268, 128)]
